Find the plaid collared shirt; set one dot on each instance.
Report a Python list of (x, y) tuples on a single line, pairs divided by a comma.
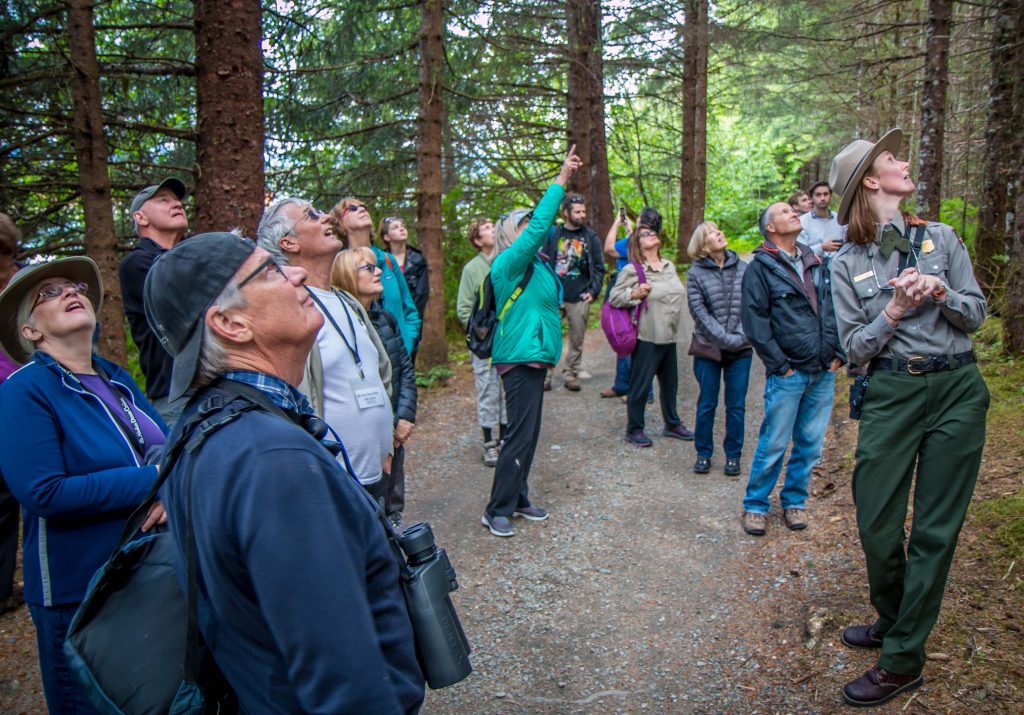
[(280, 392)]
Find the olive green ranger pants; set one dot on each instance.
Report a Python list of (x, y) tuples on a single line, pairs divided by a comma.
[(935, 422)]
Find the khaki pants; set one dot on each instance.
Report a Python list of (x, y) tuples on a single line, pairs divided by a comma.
[(576, 315)]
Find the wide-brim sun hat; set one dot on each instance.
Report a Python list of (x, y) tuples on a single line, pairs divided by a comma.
[(180, 287), (78, 269), (850, 165)]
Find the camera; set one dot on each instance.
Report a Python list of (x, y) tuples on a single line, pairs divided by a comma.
[(622, 214), (427, 580)]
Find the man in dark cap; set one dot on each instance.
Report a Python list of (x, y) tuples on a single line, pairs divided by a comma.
[(299, 594), (160, 223)]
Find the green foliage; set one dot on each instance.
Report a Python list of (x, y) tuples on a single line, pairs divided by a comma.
[(438, 375), (1005, 517), (962, 216)]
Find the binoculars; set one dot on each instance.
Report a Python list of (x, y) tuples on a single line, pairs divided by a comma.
[(427, 579)]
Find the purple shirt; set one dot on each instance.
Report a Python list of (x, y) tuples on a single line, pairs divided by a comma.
[(7, 366), (151, 433)]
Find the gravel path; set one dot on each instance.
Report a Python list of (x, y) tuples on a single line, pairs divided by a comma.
[(635, 595)]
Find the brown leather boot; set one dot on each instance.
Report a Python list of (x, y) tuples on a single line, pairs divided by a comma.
[(877, 686)]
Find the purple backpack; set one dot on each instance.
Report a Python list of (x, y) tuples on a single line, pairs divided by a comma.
[(620, 324)]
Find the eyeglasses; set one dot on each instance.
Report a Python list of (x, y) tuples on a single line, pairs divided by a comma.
[(55, 291), (647, 234), (352, 207), (368, 267), (271, 262), (311, 213)]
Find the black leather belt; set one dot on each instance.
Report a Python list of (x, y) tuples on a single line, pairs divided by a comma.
[(921, 364)]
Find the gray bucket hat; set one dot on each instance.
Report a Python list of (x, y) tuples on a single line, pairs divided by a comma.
[(76, 268), (180, 287), (850, 165)]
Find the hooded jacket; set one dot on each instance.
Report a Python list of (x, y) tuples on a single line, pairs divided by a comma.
[(790, 322), (415, 272), (531, 330)]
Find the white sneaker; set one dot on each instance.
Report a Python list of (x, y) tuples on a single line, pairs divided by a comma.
[(491, 453), (583, 375)]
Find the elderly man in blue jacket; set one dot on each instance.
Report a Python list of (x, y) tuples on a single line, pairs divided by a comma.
[(788, 318), (299, 600)]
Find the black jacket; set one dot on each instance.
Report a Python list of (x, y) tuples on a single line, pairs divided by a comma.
[(403, 375), (592, 269), (779, 318), (415, 273), (156, 363)]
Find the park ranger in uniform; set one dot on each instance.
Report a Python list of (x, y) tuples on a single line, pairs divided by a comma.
[(906, 301)]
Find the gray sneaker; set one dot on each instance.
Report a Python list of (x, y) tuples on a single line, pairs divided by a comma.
[(531, 513), (491, 453), (498, 525)]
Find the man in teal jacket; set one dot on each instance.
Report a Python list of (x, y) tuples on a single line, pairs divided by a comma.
[(527, 342)]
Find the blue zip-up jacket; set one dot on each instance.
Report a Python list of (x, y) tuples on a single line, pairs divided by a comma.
[(398, 300), (73, 471)]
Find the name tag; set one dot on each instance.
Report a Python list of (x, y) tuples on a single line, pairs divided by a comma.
[(368, 394), (927, 246), (863, 276)]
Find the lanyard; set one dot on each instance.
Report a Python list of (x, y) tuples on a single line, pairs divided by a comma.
[(353, 347), (135, 437)]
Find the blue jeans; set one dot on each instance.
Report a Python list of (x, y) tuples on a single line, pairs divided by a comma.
[(709, 374), (63, 695), (797, 407)]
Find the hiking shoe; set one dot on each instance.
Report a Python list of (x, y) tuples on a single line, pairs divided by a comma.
[(861, 637), (498, 525), (877, 686), (547, 384), (754, 523), (678, 432), (584, 375), (491, 453), (611, 392), (531, 513), (732, 466), (639, 439), (572, 384), (796, 519), (702, 465)]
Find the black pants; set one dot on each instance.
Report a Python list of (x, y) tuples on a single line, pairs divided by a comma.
[(524, 397), (395, 498), (650, 359), (9, 512)]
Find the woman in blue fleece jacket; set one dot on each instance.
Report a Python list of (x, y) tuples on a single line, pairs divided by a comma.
[(74, 429)]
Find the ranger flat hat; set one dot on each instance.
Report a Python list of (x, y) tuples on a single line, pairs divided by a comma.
[(850, 165)]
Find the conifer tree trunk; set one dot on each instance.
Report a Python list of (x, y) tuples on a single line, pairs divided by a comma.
[(585, 111), (433, 346), (933, 109), (997, 197), (693, 169), (93, 177), (229, 115)]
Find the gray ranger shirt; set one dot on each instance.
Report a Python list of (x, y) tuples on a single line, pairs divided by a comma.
[(860, 290)]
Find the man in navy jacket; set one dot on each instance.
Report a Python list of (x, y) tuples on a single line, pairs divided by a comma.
[(788, 318), (300, 599)]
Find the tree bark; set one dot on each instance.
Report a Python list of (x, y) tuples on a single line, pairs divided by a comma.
[(693, 168), (229, 115), (933, 109), (585, 111), (93, 176), (997, 198), (1013, 315), (433, 346)]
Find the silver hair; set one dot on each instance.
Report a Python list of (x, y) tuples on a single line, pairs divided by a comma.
[(275, 225), (24, 316), (213, 353), (507, 230), (766, 218)]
